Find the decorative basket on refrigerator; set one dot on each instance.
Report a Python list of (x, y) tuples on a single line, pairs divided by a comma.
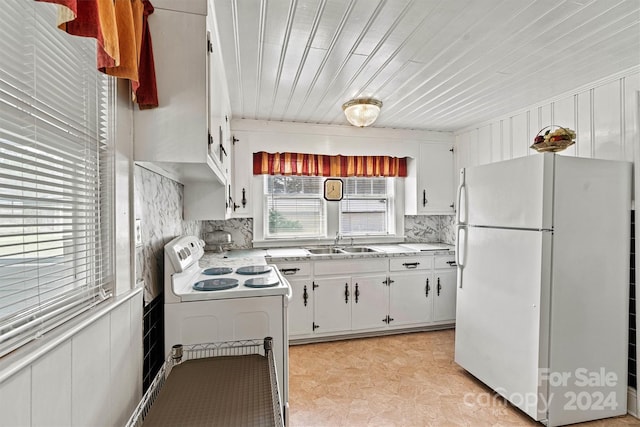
[(554, 141)]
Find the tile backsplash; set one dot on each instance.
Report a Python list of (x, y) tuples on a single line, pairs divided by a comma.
[(158, 204), (241, 230), (429, 228), (417, 228)]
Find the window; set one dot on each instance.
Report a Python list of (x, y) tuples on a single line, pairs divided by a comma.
[(55, 174), (366, 208), (294, 207)]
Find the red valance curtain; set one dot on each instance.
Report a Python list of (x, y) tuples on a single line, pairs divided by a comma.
[(324, 165)]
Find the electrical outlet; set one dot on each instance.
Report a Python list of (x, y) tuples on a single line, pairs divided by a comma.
[(138, 232)]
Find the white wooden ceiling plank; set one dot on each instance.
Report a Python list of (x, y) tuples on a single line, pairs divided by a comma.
[(272, 38), (332, 15), (247, 17), (340, 30), (484, 104), (261, 46), (363, 63), (334, 90), (450, 63), (383, 54), (294, 99), (271, 57), (587, 46), (440, 62), (297, 54), (361, 20)]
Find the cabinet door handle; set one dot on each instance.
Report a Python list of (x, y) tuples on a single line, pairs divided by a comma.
[(289, 271), (357, 293), (424, 198), (305, 295), (427, 288), (346, 293), (439, 286), (411, 264)]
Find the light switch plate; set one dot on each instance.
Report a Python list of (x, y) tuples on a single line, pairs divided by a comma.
[(138, 232)]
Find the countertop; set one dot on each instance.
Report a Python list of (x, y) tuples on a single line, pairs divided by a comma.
[(235, 258)]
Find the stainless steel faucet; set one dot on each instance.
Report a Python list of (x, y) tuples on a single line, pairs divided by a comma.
[(337, 239)]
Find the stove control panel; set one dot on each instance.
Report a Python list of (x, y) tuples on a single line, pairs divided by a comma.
[(183, 252)]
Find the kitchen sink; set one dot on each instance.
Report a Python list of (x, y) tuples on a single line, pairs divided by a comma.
[(358, 249), (324, 251)]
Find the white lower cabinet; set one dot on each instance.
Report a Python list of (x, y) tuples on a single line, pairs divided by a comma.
[(301, 307), (298, 274), (331, 304), (445, 276), (355, 296), (411, 298), (445, 295), (369, 302)]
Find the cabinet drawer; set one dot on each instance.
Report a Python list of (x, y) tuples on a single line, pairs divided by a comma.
[(445, 261), (411, 263), (354, 265), (295, 269)]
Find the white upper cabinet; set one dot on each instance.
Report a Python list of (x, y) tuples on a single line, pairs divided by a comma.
[(435, 177), (187, 137)]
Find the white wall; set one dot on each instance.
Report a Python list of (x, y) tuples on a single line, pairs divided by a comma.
[(89, 374), (603, 115)]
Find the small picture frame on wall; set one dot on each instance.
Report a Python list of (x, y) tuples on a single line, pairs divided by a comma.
[(333, 189)]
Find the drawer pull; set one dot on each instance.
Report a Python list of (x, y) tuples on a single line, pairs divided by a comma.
[(452, 263), (289, 271), (411, 264)]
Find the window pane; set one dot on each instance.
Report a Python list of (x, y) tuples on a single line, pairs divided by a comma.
[(295, 206), (365, 209)]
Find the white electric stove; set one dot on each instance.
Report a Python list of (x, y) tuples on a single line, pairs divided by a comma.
[(226, 301)]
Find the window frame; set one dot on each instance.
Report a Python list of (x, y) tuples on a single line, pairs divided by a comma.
[(396, 220)]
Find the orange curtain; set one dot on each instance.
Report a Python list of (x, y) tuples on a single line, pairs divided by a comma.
[(324, 165), (124, 41)]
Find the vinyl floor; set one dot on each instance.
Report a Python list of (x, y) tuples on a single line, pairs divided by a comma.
[(399, 380)]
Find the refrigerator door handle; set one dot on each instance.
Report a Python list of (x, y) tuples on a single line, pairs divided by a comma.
[(461, 244), (461, 188)]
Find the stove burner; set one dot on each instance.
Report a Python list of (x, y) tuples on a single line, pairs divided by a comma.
[(215, 284), (254, 269), (261, 282), (217, 271)]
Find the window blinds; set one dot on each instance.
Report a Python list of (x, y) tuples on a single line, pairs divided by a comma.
[(294, 206), (365, 208), (55, 174)]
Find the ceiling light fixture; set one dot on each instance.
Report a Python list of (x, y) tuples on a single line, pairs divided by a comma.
[(362, 112)]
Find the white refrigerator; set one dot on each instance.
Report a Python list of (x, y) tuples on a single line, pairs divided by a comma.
[(543, 276)]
